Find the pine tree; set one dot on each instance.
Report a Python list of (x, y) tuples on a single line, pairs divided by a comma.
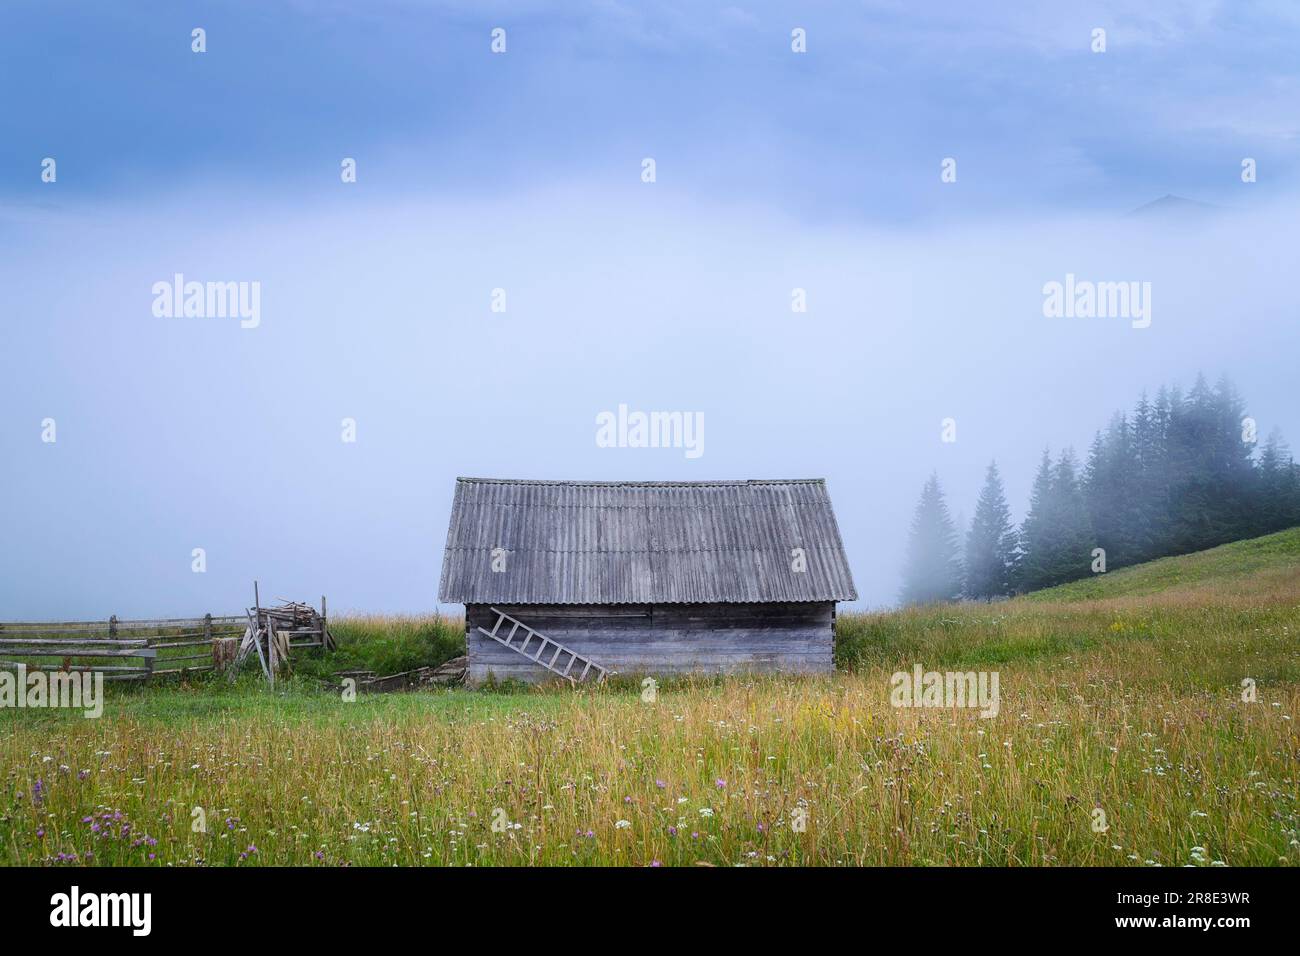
[(1112, 488), (1072, 550), (1159, 474), (1277, 484), (1177, 475), (1036, 533), (990, 543), (932, 571), (1056, 537), (1148, 490)]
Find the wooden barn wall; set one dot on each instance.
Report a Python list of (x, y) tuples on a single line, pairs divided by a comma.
[(662, 638)]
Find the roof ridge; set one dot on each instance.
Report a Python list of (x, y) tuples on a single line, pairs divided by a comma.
[(646, 484), (749, 541)]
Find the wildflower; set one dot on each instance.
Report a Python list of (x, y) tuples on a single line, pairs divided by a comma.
[(720, 784), (655, 863), (623, 825), (660, 784), (706, 811)]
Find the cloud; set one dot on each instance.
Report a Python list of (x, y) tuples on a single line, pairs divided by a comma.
[(378, 310)]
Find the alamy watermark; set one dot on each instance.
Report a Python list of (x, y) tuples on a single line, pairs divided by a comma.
[(71, 690), (922, 688), (75, 908), (626, 429), (1084, 299), (179, 299)]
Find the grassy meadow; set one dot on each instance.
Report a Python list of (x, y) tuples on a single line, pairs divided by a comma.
[(1121, 694)]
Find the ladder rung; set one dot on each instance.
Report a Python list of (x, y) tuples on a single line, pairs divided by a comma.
[(543, 642)]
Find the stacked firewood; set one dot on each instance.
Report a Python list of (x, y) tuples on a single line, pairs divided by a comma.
[(273, 633)]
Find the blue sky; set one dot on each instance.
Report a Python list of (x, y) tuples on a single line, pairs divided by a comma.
[(521, 171), (849, 130)]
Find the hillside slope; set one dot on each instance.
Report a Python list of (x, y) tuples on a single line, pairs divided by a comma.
[(1212, 610), (1274, 555)]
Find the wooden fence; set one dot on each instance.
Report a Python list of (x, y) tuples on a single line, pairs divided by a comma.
[(160, 647)]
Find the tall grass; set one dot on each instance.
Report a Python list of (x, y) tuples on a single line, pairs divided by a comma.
[(1130, 705), (387, 644)]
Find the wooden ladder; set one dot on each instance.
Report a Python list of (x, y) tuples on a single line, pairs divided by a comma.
[(556, 659)]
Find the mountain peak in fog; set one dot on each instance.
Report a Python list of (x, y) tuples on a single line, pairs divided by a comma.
[(1175, 208)]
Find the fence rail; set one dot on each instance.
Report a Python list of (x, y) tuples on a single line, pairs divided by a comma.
[(163, 646)]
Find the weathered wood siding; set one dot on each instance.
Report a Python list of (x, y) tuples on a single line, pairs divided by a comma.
[(662, 638)]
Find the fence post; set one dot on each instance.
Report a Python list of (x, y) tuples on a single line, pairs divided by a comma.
[(270, 650), (112, 628)]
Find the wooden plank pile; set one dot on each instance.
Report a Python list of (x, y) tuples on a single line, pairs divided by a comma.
[(444, 675), (273, 633)]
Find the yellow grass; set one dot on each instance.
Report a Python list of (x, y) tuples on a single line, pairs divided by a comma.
[(1129, 705)]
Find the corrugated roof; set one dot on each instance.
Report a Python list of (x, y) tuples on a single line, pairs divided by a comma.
[(642, 542)]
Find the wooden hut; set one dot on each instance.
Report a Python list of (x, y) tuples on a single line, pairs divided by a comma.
[(579, 579)]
